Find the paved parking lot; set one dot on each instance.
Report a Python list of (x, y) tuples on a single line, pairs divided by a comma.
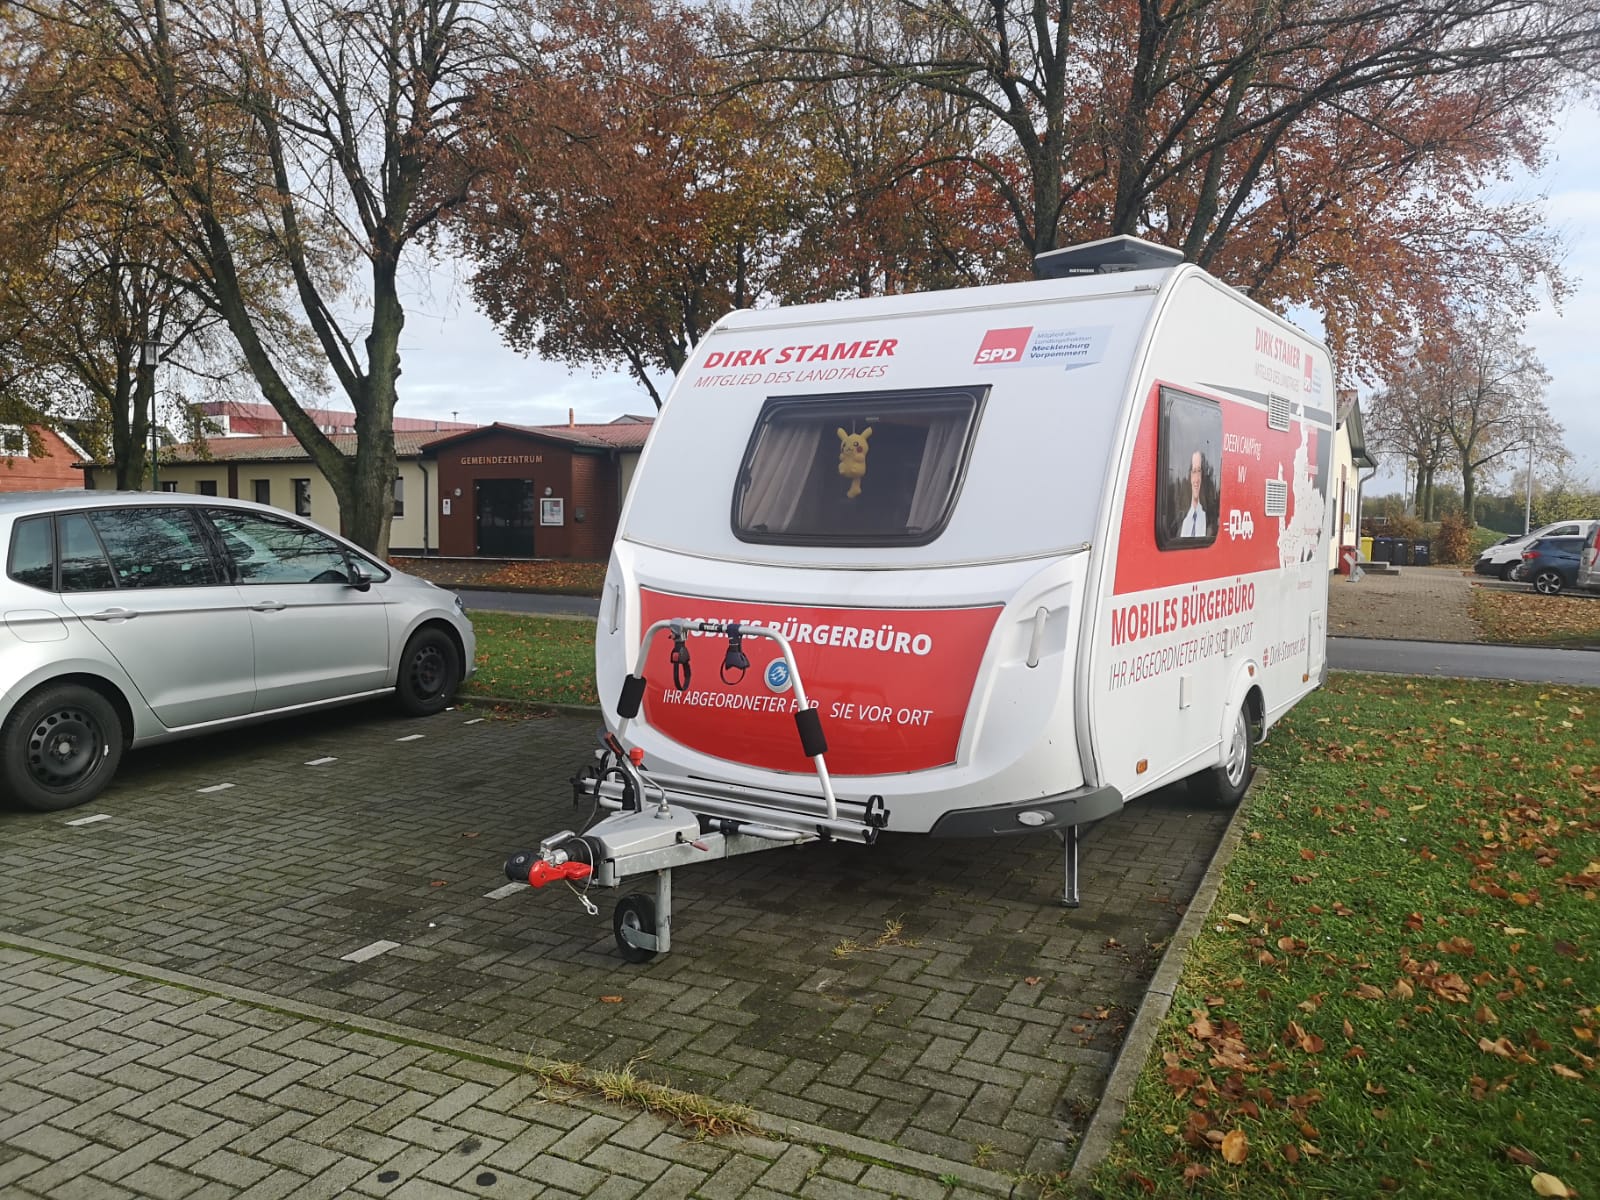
[(246, 867)]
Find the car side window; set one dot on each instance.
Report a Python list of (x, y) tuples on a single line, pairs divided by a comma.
[(267, 550), (33, 555), (83, 559), (152, 548)]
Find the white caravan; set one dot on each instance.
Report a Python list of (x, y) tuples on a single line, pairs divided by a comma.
[(976, 562)]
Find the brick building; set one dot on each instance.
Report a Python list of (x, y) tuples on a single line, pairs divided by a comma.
[(53, 470), (534, 491)]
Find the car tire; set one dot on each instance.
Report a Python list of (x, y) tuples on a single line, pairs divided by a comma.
[(430, 671), (1507, 571), (1548, 583), (1225, 784), (60, 747)]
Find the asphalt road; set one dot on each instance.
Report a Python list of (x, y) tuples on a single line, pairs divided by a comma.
[(1445, 659), (1527, 664)]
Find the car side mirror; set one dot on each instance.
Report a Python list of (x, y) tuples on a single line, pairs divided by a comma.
[(359, 579)]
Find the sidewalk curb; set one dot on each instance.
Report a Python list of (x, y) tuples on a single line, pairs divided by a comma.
[(770, 1128), (1101, 1134)]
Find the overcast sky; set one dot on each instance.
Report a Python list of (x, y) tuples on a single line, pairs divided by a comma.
[(456, 367)]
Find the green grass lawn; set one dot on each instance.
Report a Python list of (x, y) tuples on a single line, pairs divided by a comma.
[(545, 660), (1397, 991)]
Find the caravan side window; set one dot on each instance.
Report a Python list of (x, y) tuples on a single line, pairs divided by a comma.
[(1189, 467), (866, 469)]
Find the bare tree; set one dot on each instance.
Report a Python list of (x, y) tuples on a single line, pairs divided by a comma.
[(1407, 418), (1493, 397)]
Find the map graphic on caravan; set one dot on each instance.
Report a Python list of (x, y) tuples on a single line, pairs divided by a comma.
[(1081, 555)]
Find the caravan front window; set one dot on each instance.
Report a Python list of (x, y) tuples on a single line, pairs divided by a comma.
[(867, 469)]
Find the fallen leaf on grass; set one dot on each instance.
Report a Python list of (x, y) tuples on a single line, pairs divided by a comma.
[(1565, 1071), (1500, 1046), (1235, 1146), (1523, 1158), (1549, 1185)]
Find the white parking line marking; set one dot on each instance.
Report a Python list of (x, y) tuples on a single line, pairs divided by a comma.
[(215, 787), (90, 820), (510, 889), (371, 951), (318, 762), (411, 737), (474, 721)]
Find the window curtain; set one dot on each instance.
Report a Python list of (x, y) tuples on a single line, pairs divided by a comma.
[(778, 475), (936, 474)]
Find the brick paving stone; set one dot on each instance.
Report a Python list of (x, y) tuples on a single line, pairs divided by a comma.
[(277, 879), (153, 1179)]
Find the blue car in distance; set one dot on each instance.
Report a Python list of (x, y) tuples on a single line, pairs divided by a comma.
[(1551, 564)]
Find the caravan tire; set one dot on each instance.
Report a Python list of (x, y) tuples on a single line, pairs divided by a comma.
[(1225, 784)]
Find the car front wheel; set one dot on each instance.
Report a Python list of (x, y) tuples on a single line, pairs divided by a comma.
[(60, 747), (430, 671), (1547, 583), (1507, 571)]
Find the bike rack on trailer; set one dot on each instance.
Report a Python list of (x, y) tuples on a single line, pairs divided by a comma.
[(710, 821)]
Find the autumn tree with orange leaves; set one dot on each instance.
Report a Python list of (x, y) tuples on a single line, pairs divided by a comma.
[(1333, 155), (627, 189)]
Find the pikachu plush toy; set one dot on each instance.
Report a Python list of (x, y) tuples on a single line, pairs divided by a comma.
[(853, 458)]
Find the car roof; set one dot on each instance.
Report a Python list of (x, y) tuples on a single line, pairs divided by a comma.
[(16, 504)]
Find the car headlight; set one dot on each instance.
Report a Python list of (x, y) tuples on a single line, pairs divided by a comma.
[(460, 607)]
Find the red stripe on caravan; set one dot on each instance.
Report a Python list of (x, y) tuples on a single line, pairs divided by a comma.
[(1247, 540), (891, 685)]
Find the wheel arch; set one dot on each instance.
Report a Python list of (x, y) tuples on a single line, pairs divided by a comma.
[(109, 691), (449, 631)]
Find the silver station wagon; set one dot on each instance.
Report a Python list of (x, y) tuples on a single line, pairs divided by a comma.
[(128, 618)]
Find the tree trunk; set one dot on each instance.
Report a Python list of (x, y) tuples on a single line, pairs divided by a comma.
[(1468, 494)]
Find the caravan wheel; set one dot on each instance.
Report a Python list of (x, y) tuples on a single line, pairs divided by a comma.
[(1224, 785)]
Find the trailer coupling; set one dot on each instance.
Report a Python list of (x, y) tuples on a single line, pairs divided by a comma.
[(656, 822)]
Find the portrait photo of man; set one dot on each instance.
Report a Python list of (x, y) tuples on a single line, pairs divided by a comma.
[(1188, 495), (1195, 522)]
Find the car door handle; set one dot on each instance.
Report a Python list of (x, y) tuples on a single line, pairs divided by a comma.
[(113, 614), (269, 606)]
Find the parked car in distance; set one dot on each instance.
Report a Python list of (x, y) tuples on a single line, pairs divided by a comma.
[(1504, 558), (1551, 564), (128, 618), (1589, 561)]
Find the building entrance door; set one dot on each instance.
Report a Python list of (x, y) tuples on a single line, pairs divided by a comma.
[(505, 517)]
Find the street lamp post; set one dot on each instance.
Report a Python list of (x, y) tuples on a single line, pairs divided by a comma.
[(149, 356)]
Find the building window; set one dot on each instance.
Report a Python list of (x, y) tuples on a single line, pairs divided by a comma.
[(206, 487), (169, 485), (399, 496), (302, 497), (263, 491), (13, 441)]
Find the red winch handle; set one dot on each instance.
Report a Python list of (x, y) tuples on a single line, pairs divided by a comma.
[(542, 872)]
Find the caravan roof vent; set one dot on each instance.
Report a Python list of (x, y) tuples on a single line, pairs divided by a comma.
[(1122, 253)]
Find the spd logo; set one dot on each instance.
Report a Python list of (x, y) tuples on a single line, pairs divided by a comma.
[(777, 675), (1003, 346)]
